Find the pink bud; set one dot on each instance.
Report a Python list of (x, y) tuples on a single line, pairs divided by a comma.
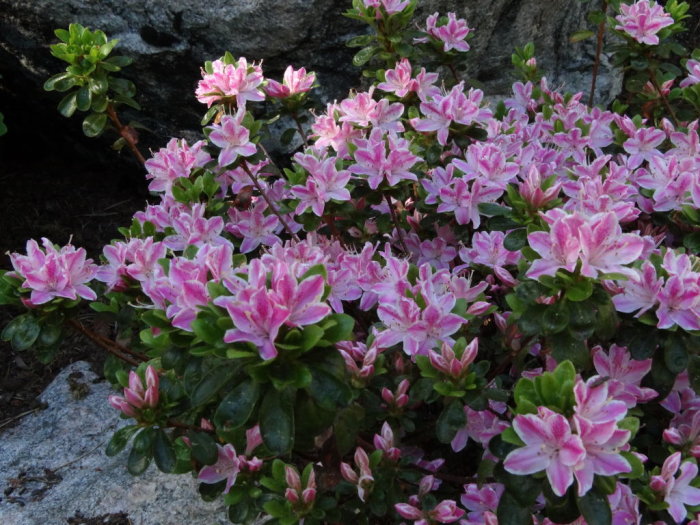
[(308, 496), (657, 484), (425, 485), (348, 473), (291, 495), (479, 308), (254, 464), (291, 476), (253, 439), (134, 398), (206, 424), (151, 397), (120, 403), (446, 512), (408, 511), (135, 383), (152, 379)]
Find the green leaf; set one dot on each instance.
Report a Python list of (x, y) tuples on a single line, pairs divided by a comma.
[(565, 347), (675, 353), (277, 420), (68, 104), (206, 330), (595, 508), (511, 512), (141, 452), (635, 463), (364, 55), (94, 124), (83, 99), (694, 373), (163, 452), (328, 391), (204, 447), (346, 427), (450, 421), (515, 240), (490, 209), (580, 291), (578, 36), (49, 335), (120, 439), (211, 383), (22, 332), (342, 330), (235, 409)]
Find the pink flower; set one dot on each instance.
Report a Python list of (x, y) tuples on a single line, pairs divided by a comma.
[(643, 20), (464, 201), (136, 398), (677, 492), (233, 138), (449, 364), (640, 291), (488, 250), (52, 273), (531, 189), (481, 426), (176, 160), (254, 226), (603, 442), (693, 67), (685, 432), (373, 160), (325, 183), (452, 33), (227, 467), (549, 445), (398, 80), (294, 82), (229, 81), (481, 500), (625, 374)]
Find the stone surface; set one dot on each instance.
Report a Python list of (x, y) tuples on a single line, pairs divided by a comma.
[(170, 39), (53, 466)]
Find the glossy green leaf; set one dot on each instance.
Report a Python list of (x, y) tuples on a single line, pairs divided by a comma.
[(511, 512), (595, 508), (164, 452), (141, 452), (120, 439), (515, 240), (94, 124), (450, 421), (235, 409), (328, 391), (211, 383), (204, 447), (68, 104), (364, 55), (83, 98), (277, 421)]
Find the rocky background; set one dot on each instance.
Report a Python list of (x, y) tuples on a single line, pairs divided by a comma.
[(170, 39)]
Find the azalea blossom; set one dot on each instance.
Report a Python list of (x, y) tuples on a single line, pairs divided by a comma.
[(693, 67), (452, 34), (233, 138), (549, 445), (52, 273), (294, 82), (642, 20), (136, 397), (677, 491), (228, 82)]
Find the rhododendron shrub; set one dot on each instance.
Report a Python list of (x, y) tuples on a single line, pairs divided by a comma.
[(443, 310)]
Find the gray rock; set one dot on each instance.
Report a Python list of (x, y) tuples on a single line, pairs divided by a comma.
[(170, 39), (53, 466)]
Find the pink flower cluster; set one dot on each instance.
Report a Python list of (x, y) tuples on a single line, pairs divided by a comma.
[(642, 20), (136, 397), (587, 444), (451, 34), (52, 273), (240, 82)]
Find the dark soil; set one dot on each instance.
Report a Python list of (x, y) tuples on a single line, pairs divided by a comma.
[(62, 200)]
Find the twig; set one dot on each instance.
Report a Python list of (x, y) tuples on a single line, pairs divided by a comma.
[(300, 129), (125, 132), (112, 347), (655, 83), (394, 218), (101, 443), (8, 421), (598, 52), (272, 207)]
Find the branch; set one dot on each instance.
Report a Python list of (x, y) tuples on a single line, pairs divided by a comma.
[(120, 351), (598, 51), (126, 132), (272, 207), (395, 219)]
